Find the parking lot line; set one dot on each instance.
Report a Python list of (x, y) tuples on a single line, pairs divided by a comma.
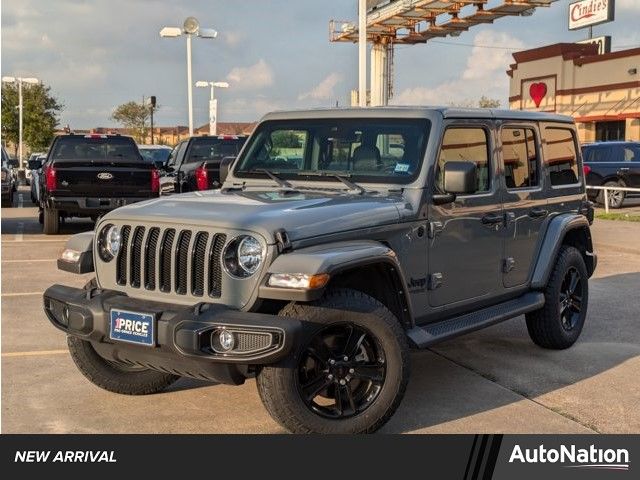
[(35, 354), (52, 240), (21, 294), (31, 261)]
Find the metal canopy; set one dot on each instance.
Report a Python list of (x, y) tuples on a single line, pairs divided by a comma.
[(417, 21)]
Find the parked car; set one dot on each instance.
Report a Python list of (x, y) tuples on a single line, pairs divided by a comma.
[(35, 167), (195, 163), (90, 175), (157, 155), (8, 180), (327, 256), (612, 164), (28, 173)]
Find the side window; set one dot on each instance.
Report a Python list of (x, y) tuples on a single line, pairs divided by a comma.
[(520, 157), (560, 156), (176, 153), (632, 154), (466, 144)]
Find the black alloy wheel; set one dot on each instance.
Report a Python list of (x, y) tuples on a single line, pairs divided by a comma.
[(570, 299)]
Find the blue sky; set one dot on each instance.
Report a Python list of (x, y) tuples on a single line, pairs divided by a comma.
[(275, 53)]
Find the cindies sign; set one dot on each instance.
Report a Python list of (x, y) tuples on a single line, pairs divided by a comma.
[(586, 13)]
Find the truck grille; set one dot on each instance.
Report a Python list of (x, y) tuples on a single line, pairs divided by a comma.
[(171, 261)]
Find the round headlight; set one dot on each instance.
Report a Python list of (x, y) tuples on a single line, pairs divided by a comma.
[(109, 242), (243, 256)]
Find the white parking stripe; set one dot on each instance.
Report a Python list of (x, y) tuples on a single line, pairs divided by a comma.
[(31, 260), (52, 240), (19, 232), (21, 294), (20, 201), (35, 353)]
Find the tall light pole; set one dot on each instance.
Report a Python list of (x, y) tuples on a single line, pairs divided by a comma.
[(190, 28), (362, 53), (213, 103), (20, 81)]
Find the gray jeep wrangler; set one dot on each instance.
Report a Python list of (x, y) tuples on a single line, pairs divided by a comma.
[(339, 241)]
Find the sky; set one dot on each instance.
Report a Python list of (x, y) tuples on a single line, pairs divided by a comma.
[(275, 54)]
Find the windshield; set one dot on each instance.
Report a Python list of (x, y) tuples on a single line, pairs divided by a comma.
[(374, 150), (153, 155), (207, 149), (113, 148)]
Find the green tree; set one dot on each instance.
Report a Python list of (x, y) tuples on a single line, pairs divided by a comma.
[(486, 102), (39, 115), (134, 117)]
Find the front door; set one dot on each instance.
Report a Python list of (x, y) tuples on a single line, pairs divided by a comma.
[(524, 202), (466, 236)]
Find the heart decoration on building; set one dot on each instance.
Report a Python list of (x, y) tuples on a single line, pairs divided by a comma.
[(538, 91)]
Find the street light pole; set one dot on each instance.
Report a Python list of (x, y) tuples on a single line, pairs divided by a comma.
[(213, 103), (362, 53), (190, 87)]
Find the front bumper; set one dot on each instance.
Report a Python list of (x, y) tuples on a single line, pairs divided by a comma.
[(91, 205), (182, 343)]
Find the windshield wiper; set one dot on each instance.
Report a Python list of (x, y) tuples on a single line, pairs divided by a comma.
[(280, 181), (344, 178)]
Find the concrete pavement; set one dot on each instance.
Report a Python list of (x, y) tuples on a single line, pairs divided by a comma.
[(491, 381)]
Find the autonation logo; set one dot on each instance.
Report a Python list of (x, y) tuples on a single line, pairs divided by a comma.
[(573, 457)]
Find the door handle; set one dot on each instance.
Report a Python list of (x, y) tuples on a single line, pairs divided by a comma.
[(623, 169), (492, 219), (538, 212)]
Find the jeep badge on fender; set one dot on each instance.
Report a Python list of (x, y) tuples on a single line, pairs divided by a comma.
[(340, 240)]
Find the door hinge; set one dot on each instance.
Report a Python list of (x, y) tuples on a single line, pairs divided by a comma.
[(434, 229), (435, 281), (508, 264)]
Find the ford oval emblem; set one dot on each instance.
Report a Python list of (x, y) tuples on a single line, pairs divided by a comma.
[(105, 176)]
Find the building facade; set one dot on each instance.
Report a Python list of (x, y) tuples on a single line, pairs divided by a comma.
[(600, 91)]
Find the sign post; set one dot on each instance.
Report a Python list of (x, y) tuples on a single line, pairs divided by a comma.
[(213, 116)]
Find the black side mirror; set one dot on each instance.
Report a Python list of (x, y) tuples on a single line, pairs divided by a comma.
[(159, 164), (459, 178), (225, 165), (34, 164)]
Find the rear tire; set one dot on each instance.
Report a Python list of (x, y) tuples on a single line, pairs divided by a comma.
[(114, 377), (616, 197), (559, 323), (349, 373), (51, 222)]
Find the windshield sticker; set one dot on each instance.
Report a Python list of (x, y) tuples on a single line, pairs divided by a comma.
[(402, 168)]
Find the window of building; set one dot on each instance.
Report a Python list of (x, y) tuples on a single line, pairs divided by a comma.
[(468, 145), (560, 156), (520, 157), (610, 131)]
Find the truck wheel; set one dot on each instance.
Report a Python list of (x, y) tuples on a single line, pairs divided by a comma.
[(51, 224), (349, 373), (115, 377), (559, 323), (616, 197)]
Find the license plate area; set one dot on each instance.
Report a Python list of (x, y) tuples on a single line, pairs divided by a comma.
[(132, 327)]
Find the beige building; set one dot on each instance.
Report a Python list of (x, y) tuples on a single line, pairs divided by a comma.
[(602, 92)]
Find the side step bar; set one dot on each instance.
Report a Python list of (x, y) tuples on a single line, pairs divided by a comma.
[(426, 335)]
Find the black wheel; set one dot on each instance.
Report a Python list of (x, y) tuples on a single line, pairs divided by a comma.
[(115, 377), (616, 197), (51, 221), (349, 373), (559, 323), (41, 217)]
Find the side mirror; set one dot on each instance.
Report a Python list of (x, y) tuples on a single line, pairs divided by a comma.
[(13, 163), (459, 178), (159, 164), (34, 164), (225, 165)]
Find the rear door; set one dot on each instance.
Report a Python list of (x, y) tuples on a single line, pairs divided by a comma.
[(524, 202), (629, 167), (466, 236), (99, 166)]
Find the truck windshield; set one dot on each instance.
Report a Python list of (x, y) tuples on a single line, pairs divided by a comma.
[(207, 148), (94, 148), (369, 150)]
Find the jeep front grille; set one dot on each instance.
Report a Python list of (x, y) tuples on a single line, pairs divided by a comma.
[(171, 261)]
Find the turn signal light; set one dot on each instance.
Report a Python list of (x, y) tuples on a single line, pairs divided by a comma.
[(202, 178), (298, 280), (155, 180), (50, 179), (586, 169)]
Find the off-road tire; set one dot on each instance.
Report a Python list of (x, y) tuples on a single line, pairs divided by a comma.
[(51, 222), (112, 377), (545, 325), (622, 195), (277, 384)]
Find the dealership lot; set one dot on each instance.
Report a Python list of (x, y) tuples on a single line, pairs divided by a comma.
[(495, 380)]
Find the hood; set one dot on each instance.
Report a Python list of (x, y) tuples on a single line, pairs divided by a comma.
[(301, 214)]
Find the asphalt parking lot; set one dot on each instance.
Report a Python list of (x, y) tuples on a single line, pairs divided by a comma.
[(491, 381)]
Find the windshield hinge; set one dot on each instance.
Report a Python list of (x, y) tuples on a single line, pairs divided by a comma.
[(282, 240)]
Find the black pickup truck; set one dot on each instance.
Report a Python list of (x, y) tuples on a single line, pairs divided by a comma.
[(89, 175), (195, 162)]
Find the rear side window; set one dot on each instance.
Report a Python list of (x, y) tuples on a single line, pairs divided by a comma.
[(560, 156), (520, 157), (95, 148), (213, 149), (469, 145)]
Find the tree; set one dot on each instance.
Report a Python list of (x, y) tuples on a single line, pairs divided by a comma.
[(486, 102), (40, 110), (133, 116)]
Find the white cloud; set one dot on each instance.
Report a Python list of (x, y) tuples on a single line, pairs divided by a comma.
[(324, 90), (484, 75), (233, 39), (633, 5), (254, 77)]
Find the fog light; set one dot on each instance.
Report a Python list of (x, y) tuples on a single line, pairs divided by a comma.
[(227, 340), (298, 280)]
